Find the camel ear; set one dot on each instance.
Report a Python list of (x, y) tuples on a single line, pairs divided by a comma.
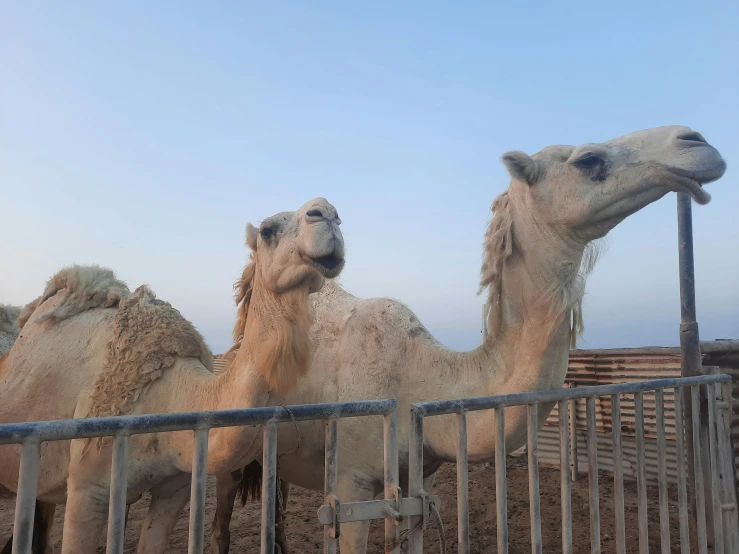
[(521, 166), (251, 236)]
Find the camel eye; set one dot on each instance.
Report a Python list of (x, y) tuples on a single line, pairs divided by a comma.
[(266, 233), (588, 161)]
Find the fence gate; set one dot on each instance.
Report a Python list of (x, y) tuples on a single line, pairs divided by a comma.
[(392, 509), (716, 389)]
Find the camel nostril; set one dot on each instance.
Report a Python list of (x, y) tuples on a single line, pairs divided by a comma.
[(314, 213), (691, 136)]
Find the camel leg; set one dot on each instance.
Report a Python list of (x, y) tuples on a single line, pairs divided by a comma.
[(281, 517), (354, 536), (43, 519), (85, 517), (168, 499), (226, 488)]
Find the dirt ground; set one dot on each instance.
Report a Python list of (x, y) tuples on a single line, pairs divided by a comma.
[(305, 534)]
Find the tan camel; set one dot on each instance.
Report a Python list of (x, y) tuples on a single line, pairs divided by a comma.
[(90, 348), (537, 254), (8, 326)]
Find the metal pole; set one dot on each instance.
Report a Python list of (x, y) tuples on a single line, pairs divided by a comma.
[(415, 477), (463, 490), (690, 353), (534, 498), (392, 478), (118, 489), (690, 362), (198, 484), (330, 485)]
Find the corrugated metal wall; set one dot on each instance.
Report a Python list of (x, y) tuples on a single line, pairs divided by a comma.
[(600, 367), (220, 365)]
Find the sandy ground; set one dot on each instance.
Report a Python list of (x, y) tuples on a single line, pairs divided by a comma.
[(305, 534)]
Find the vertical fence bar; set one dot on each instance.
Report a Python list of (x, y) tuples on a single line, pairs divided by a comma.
[(682, 479), (330, 485), (714, 456), (118, 489), (269, 488), (501, 486), (534, 498), (574, 463), (25, 502), (565, 475), (730, 507), (664, 507), (196, 538), (700, 498), (463, 495), (415, 477), (390, 433), (593, 476), (618, 476), (641, 474), (728, 414)]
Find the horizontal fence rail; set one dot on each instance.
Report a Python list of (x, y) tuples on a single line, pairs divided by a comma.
[(715, 389), (31, 434), (67, 429)]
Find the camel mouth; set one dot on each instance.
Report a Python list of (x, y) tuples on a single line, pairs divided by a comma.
[(694, 189), (329, 265)]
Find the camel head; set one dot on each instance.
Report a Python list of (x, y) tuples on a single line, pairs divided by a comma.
[(298, 248), (587, 190), (291, 255)]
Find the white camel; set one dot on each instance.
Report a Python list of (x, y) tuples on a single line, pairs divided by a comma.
[(90, 348), (537, 254)]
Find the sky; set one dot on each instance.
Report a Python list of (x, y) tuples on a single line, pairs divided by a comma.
[(144, 136)]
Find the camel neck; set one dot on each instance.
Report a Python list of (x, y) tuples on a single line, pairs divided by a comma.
[(530, 325), (273, 340), (527, 345), (274, 351), (541, 284)]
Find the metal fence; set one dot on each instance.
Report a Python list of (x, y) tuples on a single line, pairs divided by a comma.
[(30, 435), (628, 365), (717, 392)]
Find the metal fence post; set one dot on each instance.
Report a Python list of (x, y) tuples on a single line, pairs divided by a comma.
[(501, 488), (197, 492), (331, 479), (25, 502), (118, 490), (392, 487), (574, 462), (565, 476), (415, 477), (593, 476), (534, 498), (618, 476), (664, 508), (463, 496)]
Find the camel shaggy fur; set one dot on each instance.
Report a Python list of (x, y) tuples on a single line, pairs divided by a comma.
[(8, 326), (89, 347), (537, 253)]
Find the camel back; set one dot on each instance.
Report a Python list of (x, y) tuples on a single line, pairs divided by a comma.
[(148, 336)]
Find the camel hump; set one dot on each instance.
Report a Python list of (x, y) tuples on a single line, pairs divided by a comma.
[(84, 287), (9, 318), (148, 335)]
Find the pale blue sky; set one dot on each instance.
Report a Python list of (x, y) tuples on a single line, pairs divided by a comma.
[(143, 136)]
